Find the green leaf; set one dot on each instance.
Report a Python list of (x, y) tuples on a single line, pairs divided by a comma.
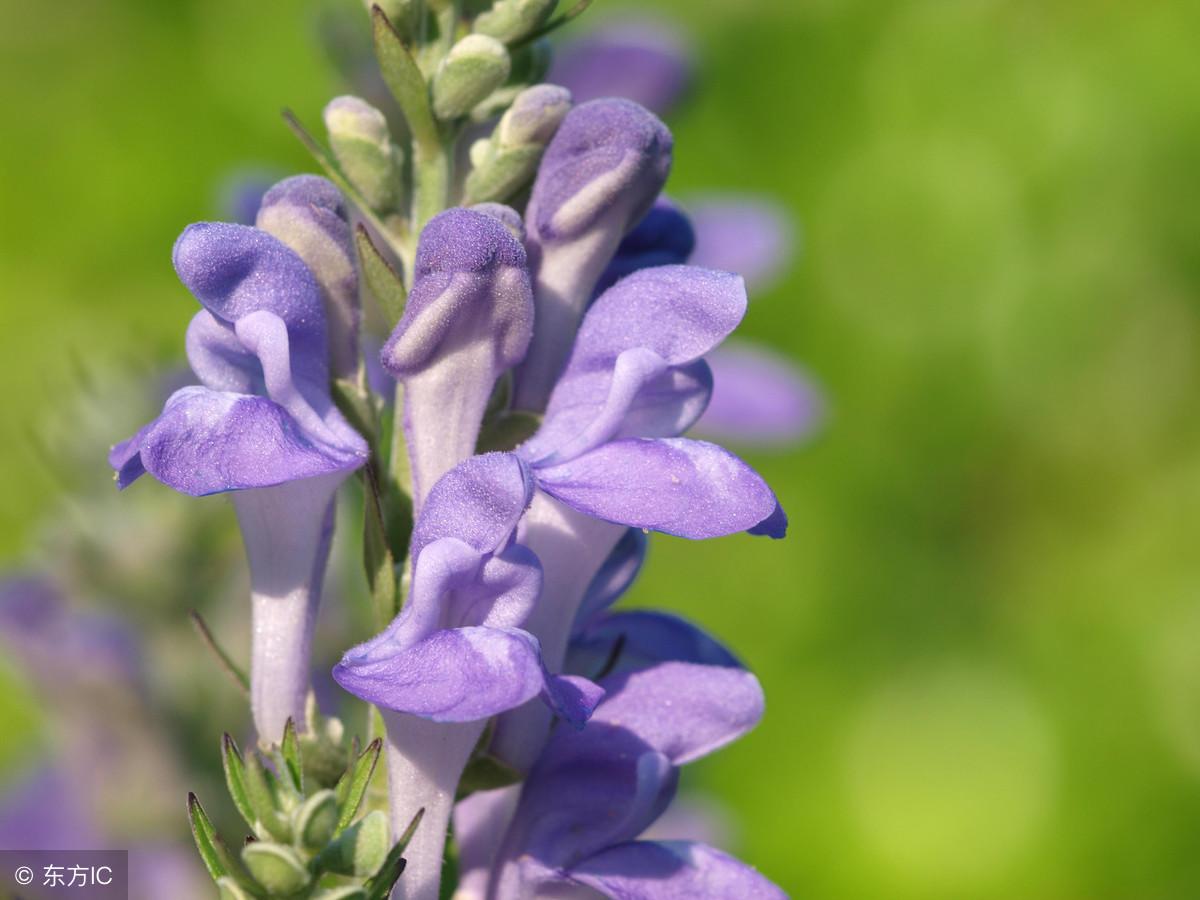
[(384, 282), (554, 24), (485, 773), (404, 79), (353, 785), (360, 850), (378, 560), (235, 778), (385, 879), (316, 819), (262, 796), (277, 867), (342, 893), (355, 404), (224, 661), (290, 750), (212, 849)]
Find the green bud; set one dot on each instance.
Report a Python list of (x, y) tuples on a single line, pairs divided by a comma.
[(358, 134), (277, 868), (361, 849), (473, 68), (511, 20), (316, 819), (504, 163), (228, 889)]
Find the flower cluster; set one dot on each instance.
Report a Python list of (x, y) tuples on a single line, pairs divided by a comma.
[(522, 427)]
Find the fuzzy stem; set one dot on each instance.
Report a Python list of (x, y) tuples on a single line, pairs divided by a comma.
[(287, 531), (425, 762)]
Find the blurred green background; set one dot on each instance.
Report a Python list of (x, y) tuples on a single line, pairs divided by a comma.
[(981, 641)]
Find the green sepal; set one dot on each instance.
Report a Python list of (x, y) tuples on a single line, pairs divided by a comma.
[(384, 282), (276, 867), (360, 850), (235, 778), (404, 79), (262, 795), (215, 855), (315, 820), (385, 879), (507, 431), (290, 751), (486, 773), (352, 787), (503, 174), (229, 889)]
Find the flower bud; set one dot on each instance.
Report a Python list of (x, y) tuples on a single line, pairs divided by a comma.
[(507, 161), (511, 20), (473, 68), (358, 133)]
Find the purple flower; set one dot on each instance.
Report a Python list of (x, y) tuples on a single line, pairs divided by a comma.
[(759, 398), (261, 423), (592, 793), (598, 178), (643, 60), (742, 233), (456, 655), (469, 317)]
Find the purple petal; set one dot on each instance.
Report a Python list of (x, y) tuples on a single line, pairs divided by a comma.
[(643, 60), (308, 214), (478, 502), (758, 397), (654, 320), (235, 270), (754, 237), (687, 488), (598, 178), (614, 577), (46, 811), (469, 317), (641, 639), (207, 441), (479, 824), (683, 710), (218, 357), (663, 238), (459, 675), (672, 870)]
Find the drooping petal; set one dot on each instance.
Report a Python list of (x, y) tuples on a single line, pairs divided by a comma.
[(599, 176), (479, 502), (309, 215), (683, 487), (753, 236), (663, 238), (758, 398), (219, 359), (462, 675), (614, 577), (469, 317), (235, 270), (644, 60), (672, 870), (638, 639), (207, 441), (635, 370)]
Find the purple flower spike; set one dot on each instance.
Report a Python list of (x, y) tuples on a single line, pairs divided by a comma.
[(644, 60), (308, 214), (759, 397), (592, 793), (262, 425), (598, 178), (456, 654), (469, 317)]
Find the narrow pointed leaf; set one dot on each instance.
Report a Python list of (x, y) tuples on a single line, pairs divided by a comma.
[(378, 561), (553, 25), (389, 873), (235, 778), (212, 849), (404, 79), (384, 282), (485, 773), (290, 750), (261, 796), (226, 663), (353, 785)]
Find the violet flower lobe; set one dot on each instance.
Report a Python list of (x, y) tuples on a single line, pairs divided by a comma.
[(456, 654), (469, 317), (261, 424), (592, 793)]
